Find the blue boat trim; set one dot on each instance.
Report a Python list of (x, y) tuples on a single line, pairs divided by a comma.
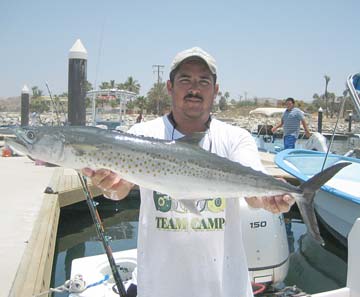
[(284, 155)]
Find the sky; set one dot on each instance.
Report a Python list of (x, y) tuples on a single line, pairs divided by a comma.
[(263, 48)]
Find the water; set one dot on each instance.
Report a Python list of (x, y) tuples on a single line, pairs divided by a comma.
[(312, 268), (77, 236)]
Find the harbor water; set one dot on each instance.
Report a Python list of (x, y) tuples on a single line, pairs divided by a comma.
[(313, 268)]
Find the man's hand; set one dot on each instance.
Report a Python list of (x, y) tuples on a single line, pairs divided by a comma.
[(274, 204), (112, 185)]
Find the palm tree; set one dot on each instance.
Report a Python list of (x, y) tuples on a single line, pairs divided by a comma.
[(219, 94), (158, 98), (327, 79), (105, 85), (131, 85), (36, 92), (140, 102)]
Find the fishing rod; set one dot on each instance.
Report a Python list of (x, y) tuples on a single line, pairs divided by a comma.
[(333, 133), (100, 232)]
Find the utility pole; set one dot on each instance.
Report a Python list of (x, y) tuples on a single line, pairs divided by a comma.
[(158, 70)]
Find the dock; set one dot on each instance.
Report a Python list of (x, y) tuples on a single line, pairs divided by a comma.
[(31, 200), (267, 159)]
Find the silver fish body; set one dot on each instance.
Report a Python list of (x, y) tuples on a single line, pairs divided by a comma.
[(177, 168)]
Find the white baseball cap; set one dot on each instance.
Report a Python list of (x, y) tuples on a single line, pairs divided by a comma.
[(194, 52)]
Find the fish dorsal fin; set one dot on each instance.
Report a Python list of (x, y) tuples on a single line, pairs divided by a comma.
[(193, 138)]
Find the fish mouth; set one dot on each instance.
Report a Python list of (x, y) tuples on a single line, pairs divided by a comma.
[(17, 142)]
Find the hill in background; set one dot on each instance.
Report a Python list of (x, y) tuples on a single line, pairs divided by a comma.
[(10, 104)]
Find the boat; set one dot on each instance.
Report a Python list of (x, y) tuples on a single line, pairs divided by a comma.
[(325, 264), (338, 201), (266, 140)]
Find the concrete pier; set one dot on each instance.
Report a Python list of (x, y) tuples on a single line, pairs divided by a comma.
[(29, 218), (22, 186)]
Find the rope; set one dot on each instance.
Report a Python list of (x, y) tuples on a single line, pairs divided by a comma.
[(258, 288), (290, 291), (75, 285)]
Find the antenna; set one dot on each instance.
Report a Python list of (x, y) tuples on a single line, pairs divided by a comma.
[(53, 104)]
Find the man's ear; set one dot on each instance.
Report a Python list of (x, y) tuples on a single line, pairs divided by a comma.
[(216, 91), (169, 87)]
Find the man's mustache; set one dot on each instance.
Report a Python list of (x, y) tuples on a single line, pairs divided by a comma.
[(189, 96)]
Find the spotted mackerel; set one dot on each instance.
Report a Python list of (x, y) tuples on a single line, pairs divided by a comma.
[(180, 169)]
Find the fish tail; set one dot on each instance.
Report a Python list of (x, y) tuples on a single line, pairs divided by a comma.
[(309, 189)]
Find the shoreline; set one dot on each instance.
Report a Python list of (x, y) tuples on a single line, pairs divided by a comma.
[(247, 122)]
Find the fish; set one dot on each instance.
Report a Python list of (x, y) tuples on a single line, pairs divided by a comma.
[(180, 169)]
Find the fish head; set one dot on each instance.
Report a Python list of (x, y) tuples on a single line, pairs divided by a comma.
[(42, 143)]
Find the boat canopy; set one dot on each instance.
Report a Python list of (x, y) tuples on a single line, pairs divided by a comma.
[(271, 111), (267, 111)]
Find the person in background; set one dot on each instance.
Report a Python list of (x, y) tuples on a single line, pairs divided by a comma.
[(181, 253), (290, 122), (139, 118)]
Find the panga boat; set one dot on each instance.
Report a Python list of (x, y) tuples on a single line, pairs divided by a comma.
[(265, 139), (338, 201)]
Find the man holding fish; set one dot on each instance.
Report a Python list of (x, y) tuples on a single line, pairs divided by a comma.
[(182, 253)]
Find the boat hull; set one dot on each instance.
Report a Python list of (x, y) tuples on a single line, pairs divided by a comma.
[(338, 201), (338, 215)]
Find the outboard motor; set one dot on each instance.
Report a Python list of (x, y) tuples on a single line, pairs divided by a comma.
[(266, 244), (316, 142)]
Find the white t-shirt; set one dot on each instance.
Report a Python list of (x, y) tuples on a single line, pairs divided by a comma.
[(183, 254)]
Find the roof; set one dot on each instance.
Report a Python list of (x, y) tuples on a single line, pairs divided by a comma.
[(267, 111)]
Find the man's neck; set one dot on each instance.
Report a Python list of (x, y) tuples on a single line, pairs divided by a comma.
[(189, 126)]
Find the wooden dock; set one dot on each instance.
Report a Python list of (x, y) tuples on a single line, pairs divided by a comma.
[(267, 160)]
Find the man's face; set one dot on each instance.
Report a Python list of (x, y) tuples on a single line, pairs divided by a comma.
[(289, 105), (193, 91)]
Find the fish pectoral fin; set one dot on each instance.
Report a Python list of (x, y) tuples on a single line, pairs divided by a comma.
[(190, 205)]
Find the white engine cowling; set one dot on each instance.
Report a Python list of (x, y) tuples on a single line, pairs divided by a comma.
[(266, 244)]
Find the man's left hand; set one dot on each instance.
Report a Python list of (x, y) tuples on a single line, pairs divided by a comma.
[(274, 204)]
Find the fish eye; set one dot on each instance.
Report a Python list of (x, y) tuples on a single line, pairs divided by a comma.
[(30, 135)]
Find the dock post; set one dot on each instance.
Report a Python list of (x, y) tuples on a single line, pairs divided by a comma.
[(350, 120), (320, 116), (77, 84), (25, 106)]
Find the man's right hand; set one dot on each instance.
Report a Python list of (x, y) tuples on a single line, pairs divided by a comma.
[(112, 185)]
